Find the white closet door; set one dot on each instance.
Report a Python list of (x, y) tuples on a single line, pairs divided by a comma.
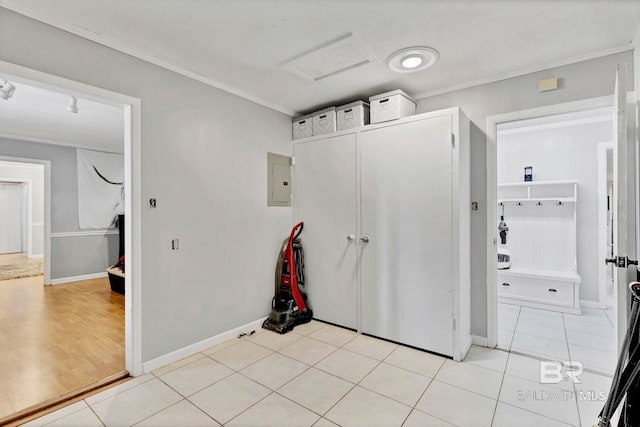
[(10, 218), (325, 199), (407, 270)]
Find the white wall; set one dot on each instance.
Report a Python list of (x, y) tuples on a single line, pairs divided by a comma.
[(35, 175), (563, 153), (583, 80), (204, 160), (72, 253)]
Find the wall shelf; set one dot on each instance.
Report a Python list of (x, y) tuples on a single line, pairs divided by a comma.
[(541, 216), (539, 199)]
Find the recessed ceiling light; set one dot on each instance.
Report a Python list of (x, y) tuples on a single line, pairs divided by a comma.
[(412, 59)]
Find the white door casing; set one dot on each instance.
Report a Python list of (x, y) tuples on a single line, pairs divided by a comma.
[(133, 193), (620, 192), (491, 187), (604, 204)]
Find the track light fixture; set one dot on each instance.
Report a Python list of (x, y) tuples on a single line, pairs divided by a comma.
[(73, 105), (6, 90)]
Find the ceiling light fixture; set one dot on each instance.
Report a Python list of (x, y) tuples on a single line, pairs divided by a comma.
[(73, 105), (6, 90), (412, 59)]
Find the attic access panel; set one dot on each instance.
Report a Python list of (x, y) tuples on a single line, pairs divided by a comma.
[(334, 57)]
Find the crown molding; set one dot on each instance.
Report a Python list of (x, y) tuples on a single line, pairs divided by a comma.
[(124, 48), (524, 71)]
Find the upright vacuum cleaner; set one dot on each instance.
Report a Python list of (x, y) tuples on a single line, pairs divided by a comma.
[(289, 306)]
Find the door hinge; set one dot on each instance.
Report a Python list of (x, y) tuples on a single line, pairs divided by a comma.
[(454, 323), (453, 140), (621, 261), (293, 161)]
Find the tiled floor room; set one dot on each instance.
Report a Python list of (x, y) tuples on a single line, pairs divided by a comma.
[(321, 375), (588, 338)]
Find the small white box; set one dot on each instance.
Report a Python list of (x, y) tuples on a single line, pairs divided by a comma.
[(352, 115), (303, 127), (324, 121), (391, 106)]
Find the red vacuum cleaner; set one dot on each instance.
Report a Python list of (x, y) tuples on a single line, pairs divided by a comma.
[(289, 306)]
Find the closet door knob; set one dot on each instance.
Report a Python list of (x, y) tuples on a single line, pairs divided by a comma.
[(351, 237), (365, 239)]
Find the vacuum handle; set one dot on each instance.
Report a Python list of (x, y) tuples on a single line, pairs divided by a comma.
[(299, 226)]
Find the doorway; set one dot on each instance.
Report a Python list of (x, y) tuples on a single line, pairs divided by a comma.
[(130, 108), (11, 217), (22, 219), (554, 207)]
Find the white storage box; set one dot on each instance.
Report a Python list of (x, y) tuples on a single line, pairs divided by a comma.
[(303, 127), (324, 121), (352, 115), (391, 106)]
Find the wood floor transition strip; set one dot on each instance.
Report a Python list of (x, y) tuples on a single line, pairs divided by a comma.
[(59, 402)]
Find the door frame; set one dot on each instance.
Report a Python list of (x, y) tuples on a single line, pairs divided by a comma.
[(46, 238), (492, 195), (27, 208), (133, 200), (603, 149)]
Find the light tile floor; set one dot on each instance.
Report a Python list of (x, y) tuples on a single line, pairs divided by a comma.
[(321, 375), (588, 338)]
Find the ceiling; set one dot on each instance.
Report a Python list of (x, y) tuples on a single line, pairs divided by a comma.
[(41, 115), (248, 47)]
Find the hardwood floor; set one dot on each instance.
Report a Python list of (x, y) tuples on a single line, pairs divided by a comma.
[(56, 339)]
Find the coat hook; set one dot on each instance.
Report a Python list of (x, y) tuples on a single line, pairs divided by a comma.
[(539, 204), (519, 204), (560, 203)]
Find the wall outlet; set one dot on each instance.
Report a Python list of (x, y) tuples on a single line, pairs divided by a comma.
[(175, 244), (152, 203)]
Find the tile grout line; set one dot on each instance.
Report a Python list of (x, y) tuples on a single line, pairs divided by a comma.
[(275, 391), (351, 389), (94, 413), (513, 337), (504, 374)]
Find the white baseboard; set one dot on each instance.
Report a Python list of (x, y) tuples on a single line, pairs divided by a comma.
[(174, 356), (78, 278), (592, 304), (36, 256), (479, 341)]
